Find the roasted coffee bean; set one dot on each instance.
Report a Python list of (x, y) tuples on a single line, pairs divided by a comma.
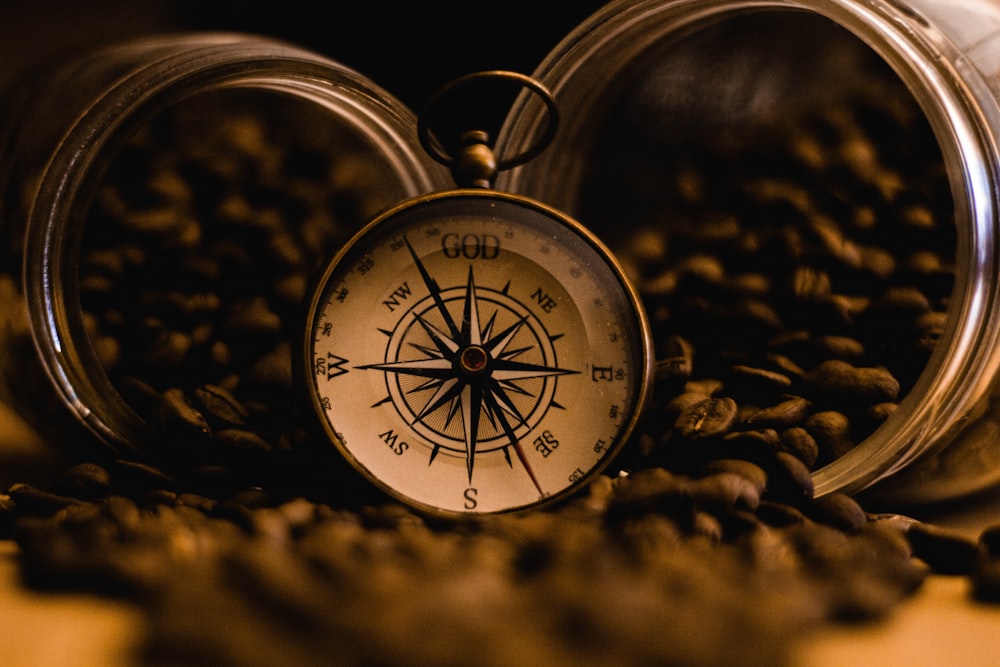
[(778, 514), (794, 296), (754, 445), (178, 417), (832, 432), (726, 489), (840, 381), (84, 481), (785, 414), (754, 379), (33, 500), (985, 580), (798, 442), (674, 365), (789, 479), (989, 541), (985, 576), (238, 442), (707, 418), (945, 551), (219, 403), (838, 510), (839, 347), (749, 471), (138, 477)]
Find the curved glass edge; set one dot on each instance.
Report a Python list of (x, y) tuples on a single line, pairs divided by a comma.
[(936, 48), (160, 72)]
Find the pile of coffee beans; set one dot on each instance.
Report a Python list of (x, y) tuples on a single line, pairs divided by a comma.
[(793, 302), (196, 257), (649, 568)]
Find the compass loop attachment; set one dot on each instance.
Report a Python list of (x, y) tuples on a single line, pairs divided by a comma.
[(473, 162)]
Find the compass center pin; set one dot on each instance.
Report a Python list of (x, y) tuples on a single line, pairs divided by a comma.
[(474, 359)]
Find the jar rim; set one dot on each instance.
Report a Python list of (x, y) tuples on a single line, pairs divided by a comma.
[(958, 104), (158, 73)]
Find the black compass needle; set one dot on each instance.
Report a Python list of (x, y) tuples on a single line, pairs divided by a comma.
[(434, 290), (508, 369), (490, 396), (462, 406), (471, 334), (472, 405)]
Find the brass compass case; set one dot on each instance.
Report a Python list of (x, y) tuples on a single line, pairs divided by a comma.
[(472, 351)]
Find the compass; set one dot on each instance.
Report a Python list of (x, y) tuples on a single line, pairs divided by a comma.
[(474, 351)]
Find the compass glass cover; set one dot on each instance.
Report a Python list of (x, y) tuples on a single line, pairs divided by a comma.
[(476, 352)]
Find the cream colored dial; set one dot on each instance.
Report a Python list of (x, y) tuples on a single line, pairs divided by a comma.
[(474, 352)]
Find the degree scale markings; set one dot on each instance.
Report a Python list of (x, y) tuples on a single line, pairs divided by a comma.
[(443, 321)]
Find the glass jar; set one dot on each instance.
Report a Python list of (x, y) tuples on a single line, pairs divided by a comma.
[(70, 129), (646, 85)]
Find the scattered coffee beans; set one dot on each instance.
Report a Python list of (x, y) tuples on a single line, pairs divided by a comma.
[(793, 303), (796, 299), (195, 259)]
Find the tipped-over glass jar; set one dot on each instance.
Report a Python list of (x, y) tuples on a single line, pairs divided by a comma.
[(164, 201), (805, 191)]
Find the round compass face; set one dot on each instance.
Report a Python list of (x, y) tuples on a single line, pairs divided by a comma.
[(475, 352)]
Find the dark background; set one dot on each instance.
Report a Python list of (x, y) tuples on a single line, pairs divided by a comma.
[(409, 48)]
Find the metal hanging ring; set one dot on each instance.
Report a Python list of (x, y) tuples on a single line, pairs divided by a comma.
[(433, 147)]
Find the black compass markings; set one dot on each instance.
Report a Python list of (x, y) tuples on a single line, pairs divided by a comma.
[(472, 403), (434, 290), (512, 438), (510, 354), (444, 344), (490, 323), (472, 370), (471, 333), (508, 369), (425, 349)]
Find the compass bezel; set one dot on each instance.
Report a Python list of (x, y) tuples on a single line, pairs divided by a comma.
[(449, 203)]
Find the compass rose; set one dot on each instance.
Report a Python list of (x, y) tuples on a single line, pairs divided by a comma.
[(472, 369), (473, 351)]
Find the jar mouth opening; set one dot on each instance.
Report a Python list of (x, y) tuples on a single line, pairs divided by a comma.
[(678, 76), (319, 111)]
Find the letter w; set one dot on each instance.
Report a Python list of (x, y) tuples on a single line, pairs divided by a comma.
[(401, 293)]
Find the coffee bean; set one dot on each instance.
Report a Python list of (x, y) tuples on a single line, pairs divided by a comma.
[(838, 510), (839, 380), (794, 297), (675, 364), (798, 442), (985, 580), (789, 479), (178, 417), (945, 551), (778, 514), (832, 432), (989, 541), (220, 404), (749, 471), (781, 415), (759, 379), (239, 442), (84, 481), (33, 500), (726, 489), (707, 418), (985, 576)]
